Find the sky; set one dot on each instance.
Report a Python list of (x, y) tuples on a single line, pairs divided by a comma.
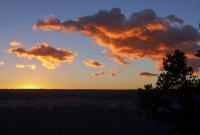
[(93, 44)]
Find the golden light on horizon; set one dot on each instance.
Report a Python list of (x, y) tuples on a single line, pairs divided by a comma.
[(30, 86)]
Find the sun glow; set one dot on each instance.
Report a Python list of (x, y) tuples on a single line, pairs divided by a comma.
[(30, 86)]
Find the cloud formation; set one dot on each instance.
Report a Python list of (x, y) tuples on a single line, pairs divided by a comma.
[(115, 57), (2, 63), (143, 34), (112, 75), (147, 74), (49, 56), (15, 44), (31, 66), (114, 70), (98, 74), (93, 63)]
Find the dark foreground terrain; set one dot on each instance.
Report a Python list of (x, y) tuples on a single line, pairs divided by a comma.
[(73, 120)]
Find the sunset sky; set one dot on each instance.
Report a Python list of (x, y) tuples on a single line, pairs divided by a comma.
[(90, 44)]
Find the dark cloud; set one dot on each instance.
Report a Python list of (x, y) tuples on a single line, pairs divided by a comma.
[(143, 34), (195, 63), (50, 57), (147, 74), (93, 63), (174, 19), (98, 74)]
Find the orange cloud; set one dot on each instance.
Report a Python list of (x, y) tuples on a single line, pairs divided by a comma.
[(93, 63), (2, 63), (114, 70), (112, 75), (31, 66), (15, 44), (98, 74), (147, 74), (115, 57), (143, 34), (49, 56)]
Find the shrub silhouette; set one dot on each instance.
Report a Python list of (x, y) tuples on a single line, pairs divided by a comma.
[(175, 99)]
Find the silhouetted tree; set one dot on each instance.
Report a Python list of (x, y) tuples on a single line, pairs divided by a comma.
[(198, 54), (175, 99)]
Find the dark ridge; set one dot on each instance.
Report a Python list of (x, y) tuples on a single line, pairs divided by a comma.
[(32, 94)]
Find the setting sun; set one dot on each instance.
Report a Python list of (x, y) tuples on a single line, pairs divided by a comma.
[(30, 86)]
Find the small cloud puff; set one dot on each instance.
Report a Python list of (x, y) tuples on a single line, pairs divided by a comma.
[(15, 44), (112, 75), (31, 66), (114, 70), (93, 63), (147, 74), (98, 74)]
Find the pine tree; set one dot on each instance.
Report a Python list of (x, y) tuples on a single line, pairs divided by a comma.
[(175, 99)]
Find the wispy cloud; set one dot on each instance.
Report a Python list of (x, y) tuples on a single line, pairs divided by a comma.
[(93, 63), (143, 34), (15, 44), (115, 57), (98, 74), (147, 74), (49, 56), (31, 66), (20, 66), (2, 63)]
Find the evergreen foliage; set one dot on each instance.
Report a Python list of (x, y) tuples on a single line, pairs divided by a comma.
[(176, 98), (198, 54)]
